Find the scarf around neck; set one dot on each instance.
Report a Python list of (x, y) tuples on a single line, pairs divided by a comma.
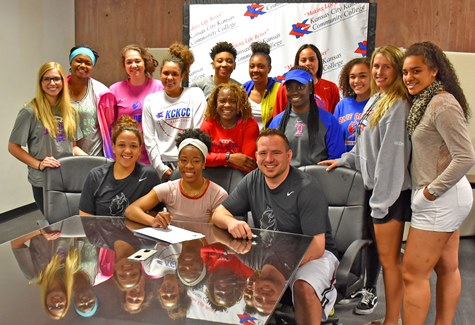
[(419, 105)]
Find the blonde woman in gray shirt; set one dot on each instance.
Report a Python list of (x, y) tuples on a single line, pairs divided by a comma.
[(442, 199), (382, 154)]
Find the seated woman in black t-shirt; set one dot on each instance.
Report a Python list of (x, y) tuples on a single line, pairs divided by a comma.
[(109, 189)]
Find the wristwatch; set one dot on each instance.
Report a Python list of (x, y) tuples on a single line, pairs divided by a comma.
[(228, 155), (431, 191)]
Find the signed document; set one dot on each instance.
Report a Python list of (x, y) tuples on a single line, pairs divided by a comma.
[(171, 235)]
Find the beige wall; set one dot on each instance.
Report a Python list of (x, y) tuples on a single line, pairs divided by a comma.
[(32, 32)]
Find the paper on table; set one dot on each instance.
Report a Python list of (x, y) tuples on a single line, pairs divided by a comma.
[(171, 235)]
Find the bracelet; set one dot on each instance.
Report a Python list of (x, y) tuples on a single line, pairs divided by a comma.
[(39, 164)]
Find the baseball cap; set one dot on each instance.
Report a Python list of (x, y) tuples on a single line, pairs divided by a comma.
[(298, 75)]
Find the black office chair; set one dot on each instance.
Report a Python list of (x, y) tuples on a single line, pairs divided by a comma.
[(63, 186), (348, 211)]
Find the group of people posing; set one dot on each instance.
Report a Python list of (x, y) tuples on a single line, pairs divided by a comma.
[(402, 123)]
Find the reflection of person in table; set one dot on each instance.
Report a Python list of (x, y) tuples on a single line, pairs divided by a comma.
[(116, 244), (191, 269), (227, 275), (190, 198), (84, 298), (248, 295), (267, 289), (50, 261), (139, 297), (283, 198), (56, 282), (130, 278), (173, 297)]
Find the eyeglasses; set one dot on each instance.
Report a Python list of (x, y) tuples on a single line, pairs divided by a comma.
[(47, 80)]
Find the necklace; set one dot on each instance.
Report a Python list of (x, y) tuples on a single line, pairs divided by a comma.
[(193, 193), (232, 126)]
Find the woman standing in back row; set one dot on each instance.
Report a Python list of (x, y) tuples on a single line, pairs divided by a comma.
[(223, 55), (48, 125), (382, 154), (326, 93), (441, 156), (95, 103), (168, 112), (261, 89), (139, 64)]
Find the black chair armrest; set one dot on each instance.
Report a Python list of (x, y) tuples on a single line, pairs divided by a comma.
[(347, 262)]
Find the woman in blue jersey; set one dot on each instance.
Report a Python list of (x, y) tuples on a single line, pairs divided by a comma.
[(355, 79)]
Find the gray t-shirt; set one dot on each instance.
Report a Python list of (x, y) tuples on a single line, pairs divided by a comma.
[(297, 133), (207, 84), (29, 131), (91, 142), (298, 205)]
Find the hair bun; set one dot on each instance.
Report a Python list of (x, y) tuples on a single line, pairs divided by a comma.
[(260, 47)]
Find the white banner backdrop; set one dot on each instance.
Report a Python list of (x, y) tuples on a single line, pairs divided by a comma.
[(339, 30)]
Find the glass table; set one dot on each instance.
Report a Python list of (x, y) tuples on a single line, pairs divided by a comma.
[(78, 271)]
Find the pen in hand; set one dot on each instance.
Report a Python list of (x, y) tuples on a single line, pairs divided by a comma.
[(162, 219)]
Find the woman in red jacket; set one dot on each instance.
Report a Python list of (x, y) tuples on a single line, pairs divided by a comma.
[(233, 130)]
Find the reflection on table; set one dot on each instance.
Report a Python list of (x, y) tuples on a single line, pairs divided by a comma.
[(79, 269)]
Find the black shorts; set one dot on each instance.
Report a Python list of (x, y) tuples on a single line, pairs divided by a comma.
[(400, 210)]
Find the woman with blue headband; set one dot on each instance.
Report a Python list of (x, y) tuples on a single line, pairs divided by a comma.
[(95, 102)]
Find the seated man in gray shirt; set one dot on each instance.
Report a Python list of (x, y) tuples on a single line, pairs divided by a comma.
[(283, 198)]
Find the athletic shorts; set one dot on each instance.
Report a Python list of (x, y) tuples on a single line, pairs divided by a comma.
[(400, 210), (320, 274), (447, 212)]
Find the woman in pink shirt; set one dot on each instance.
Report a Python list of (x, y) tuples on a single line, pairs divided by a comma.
[(139, 65)]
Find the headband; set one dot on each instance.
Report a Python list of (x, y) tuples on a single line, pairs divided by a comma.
[(85, 51), (195, 143), (87, 314)]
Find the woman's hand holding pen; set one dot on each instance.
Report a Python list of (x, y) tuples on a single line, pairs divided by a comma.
[(162, 219)]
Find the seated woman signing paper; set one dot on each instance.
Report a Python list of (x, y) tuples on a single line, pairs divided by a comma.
[(191, 198)]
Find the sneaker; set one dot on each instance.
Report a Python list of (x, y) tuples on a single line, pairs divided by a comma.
[(368, 302), (381, 322), (352, 297)]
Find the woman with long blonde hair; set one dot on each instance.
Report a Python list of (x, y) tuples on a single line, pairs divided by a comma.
[(382, 154), (48, 126)]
